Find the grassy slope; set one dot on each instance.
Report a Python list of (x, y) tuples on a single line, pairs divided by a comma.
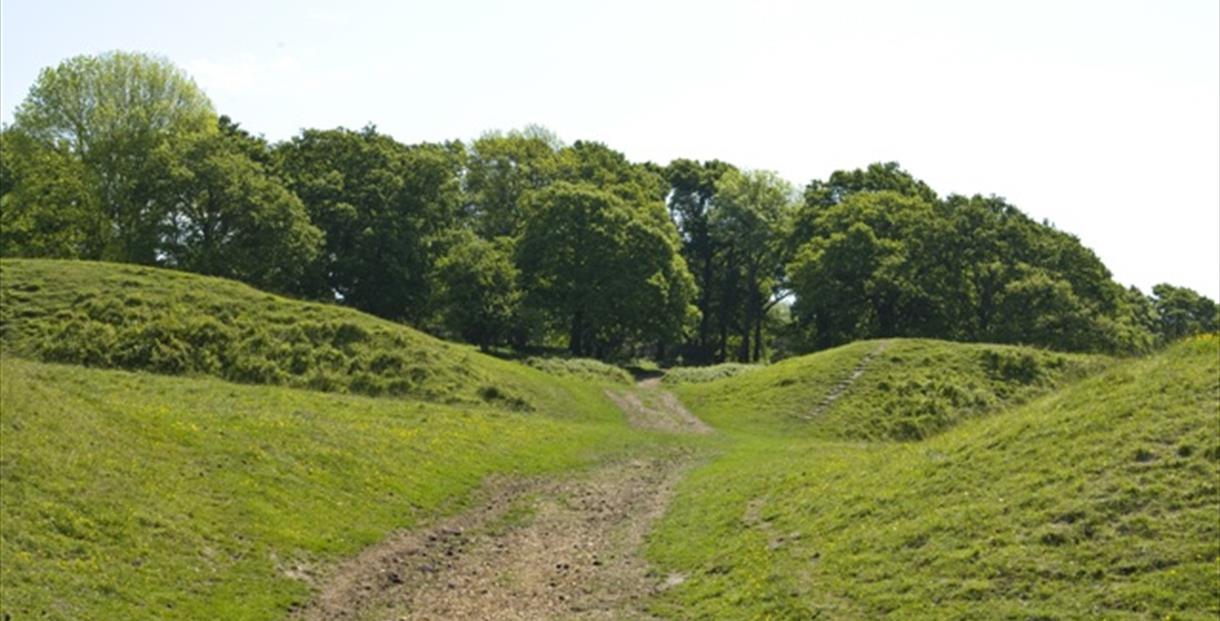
[(136, 496), (911, 389), (1099, 500), (134, 317), (133, 496)]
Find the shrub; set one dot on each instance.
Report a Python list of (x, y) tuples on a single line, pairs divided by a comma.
[(1010, 365)]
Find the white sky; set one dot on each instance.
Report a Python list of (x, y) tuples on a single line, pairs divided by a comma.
[(1102, 116)]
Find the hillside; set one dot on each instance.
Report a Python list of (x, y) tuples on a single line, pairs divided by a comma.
[(247, 456), (143, 318), (136, 496), (900, 389), (142, 495), (1099, 500)]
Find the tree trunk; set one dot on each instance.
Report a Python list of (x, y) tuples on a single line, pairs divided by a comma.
[(751, 300), (728, 306), (705, 302), (575, 337), (758, 321), (724, 341), (743, 353)]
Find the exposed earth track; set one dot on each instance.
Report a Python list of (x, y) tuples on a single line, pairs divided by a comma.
[(561, 548), (651, 407)]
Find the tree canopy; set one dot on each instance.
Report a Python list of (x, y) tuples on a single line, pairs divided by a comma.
[(118, 118), (381, 205), (518, 239), (606, 270), (889, 262), (229, 217)]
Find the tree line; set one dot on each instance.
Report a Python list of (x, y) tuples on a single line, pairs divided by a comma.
[(517, 240)]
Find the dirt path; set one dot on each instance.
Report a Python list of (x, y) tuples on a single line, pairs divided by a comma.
[(651, 407), (838, 389), (531, 549)]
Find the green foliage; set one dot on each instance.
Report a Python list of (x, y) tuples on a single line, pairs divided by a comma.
[(607, 270), (847, 286), (120, 157), (885, 258), (477, 295), (692, 192), (108, 315), (501, 169), (118, 117), (878, 177), (595, 164), (232, 219), (750, 218), (1183, 312), (1097, 501), (381, 205), (47, 205)]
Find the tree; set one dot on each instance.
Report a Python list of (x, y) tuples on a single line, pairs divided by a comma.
[(381, 206), (1040, 309), (229, 217), (969, 268), (477, 293), (878, 177), (47, 205), (595, 164), (834, 277), (692, 191), (120, 116), (503, 167), (606, 270), (1182, 312), (750, 217)]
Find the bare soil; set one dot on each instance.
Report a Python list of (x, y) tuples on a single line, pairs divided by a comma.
[(651, 407), (530, 549)]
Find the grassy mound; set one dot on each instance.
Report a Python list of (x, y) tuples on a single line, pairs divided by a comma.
[(903, 389), (1098, 501), (143, 318), (701, 375), (137, 496), (584, 368)]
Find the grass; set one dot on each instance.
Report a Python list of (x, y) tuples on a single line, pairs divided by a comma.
[(143, 318), (1099, 500), (134, 496), (584, 368), (910, 389), (274, 437), (183, 495), (701, 375)]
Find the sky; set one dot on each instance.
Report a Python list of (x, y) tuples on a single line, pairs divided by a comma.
[(1101, 117)]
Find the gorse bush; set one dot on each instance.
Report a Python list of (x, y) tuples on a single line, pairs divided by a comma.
[(177, 324)]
